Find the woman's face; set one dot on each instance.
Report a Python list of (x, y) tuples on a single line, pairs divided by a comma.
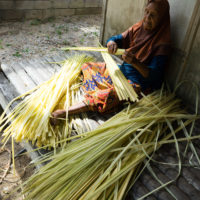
[(151, 17)]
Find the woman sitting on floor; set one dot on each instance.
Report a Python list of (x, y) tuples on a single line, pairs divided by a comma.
[(147, 46)]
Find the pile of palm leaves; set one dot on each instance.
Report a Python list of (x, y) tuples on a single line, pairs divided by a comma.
[(123, 89), (29, 120), (102, 162)]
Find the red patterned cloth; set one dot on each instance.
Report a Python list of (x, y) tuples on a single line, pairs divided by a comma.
[(100, 94)]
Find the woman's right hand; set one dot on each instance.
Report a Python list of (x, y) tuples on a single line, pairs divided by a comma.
[(112, 47)]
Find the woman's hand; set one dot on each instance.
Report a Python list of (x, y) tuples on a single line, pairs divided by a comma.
[(54, 120), (129, 58), (112, 47)]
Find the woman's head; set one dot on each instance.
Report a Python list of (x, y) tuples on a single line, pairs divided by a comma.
[(155, 12)]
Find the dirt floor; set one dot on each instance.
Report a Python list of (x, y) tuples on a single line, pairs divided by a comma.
[(27, 39), (19, 40), (10, 179)]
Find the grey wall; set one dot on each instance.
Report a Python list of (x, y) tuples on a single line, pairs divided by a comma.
[(29, 9), (181, 21), (120, 15), (181, 13), (192, 73), (185, 19), (185, 58)]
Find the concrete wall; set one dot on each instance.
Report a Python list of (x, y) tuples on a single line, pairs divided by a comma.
[(120, 15), (181, 13), (191, 72), (29, 9), (185, 20), (185, 58), (181, 22)]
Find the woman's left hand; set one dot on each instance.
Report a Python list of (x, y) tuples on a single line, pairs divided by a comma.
[(129, 58)]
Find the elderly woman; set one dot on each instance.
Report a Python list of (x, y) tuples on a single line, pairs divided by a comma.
[(147, 45)]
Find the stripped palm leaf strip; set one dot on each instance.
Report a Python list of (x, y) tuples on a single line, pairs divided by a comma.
[(97, 49)]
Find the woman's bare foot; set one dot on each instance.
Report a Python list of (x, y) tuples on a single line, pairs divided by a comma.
[(54, 120), (75, 109)]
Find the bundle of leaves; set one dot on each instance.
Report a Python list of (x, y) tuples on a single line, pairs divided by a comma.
[(103, 163)]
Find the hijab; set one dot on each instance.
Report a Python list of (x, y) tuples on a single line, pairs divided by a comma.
[(147, 44)]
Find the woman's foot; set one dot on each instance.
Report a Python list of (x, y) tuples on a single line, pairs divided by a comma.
[(54, 120), (75, 109)]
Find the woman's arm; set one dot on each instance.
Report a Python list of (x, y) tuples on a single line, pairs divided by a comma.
[(75, 109), (117, 39), (153, 71)]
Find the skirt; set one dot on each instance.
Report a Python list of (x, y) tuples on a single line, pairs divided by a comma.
[(100, 94)]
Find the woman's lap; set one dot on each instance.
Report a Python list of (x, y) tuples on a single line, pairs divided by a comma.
[(100, 94)]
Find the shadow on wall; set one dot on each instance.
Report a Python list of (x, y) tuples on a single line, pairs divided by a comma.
[(175, 62), (190, 87)]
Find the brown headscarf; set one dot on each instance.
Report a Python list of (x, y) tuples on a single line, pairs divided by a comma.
[(143, 44)]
